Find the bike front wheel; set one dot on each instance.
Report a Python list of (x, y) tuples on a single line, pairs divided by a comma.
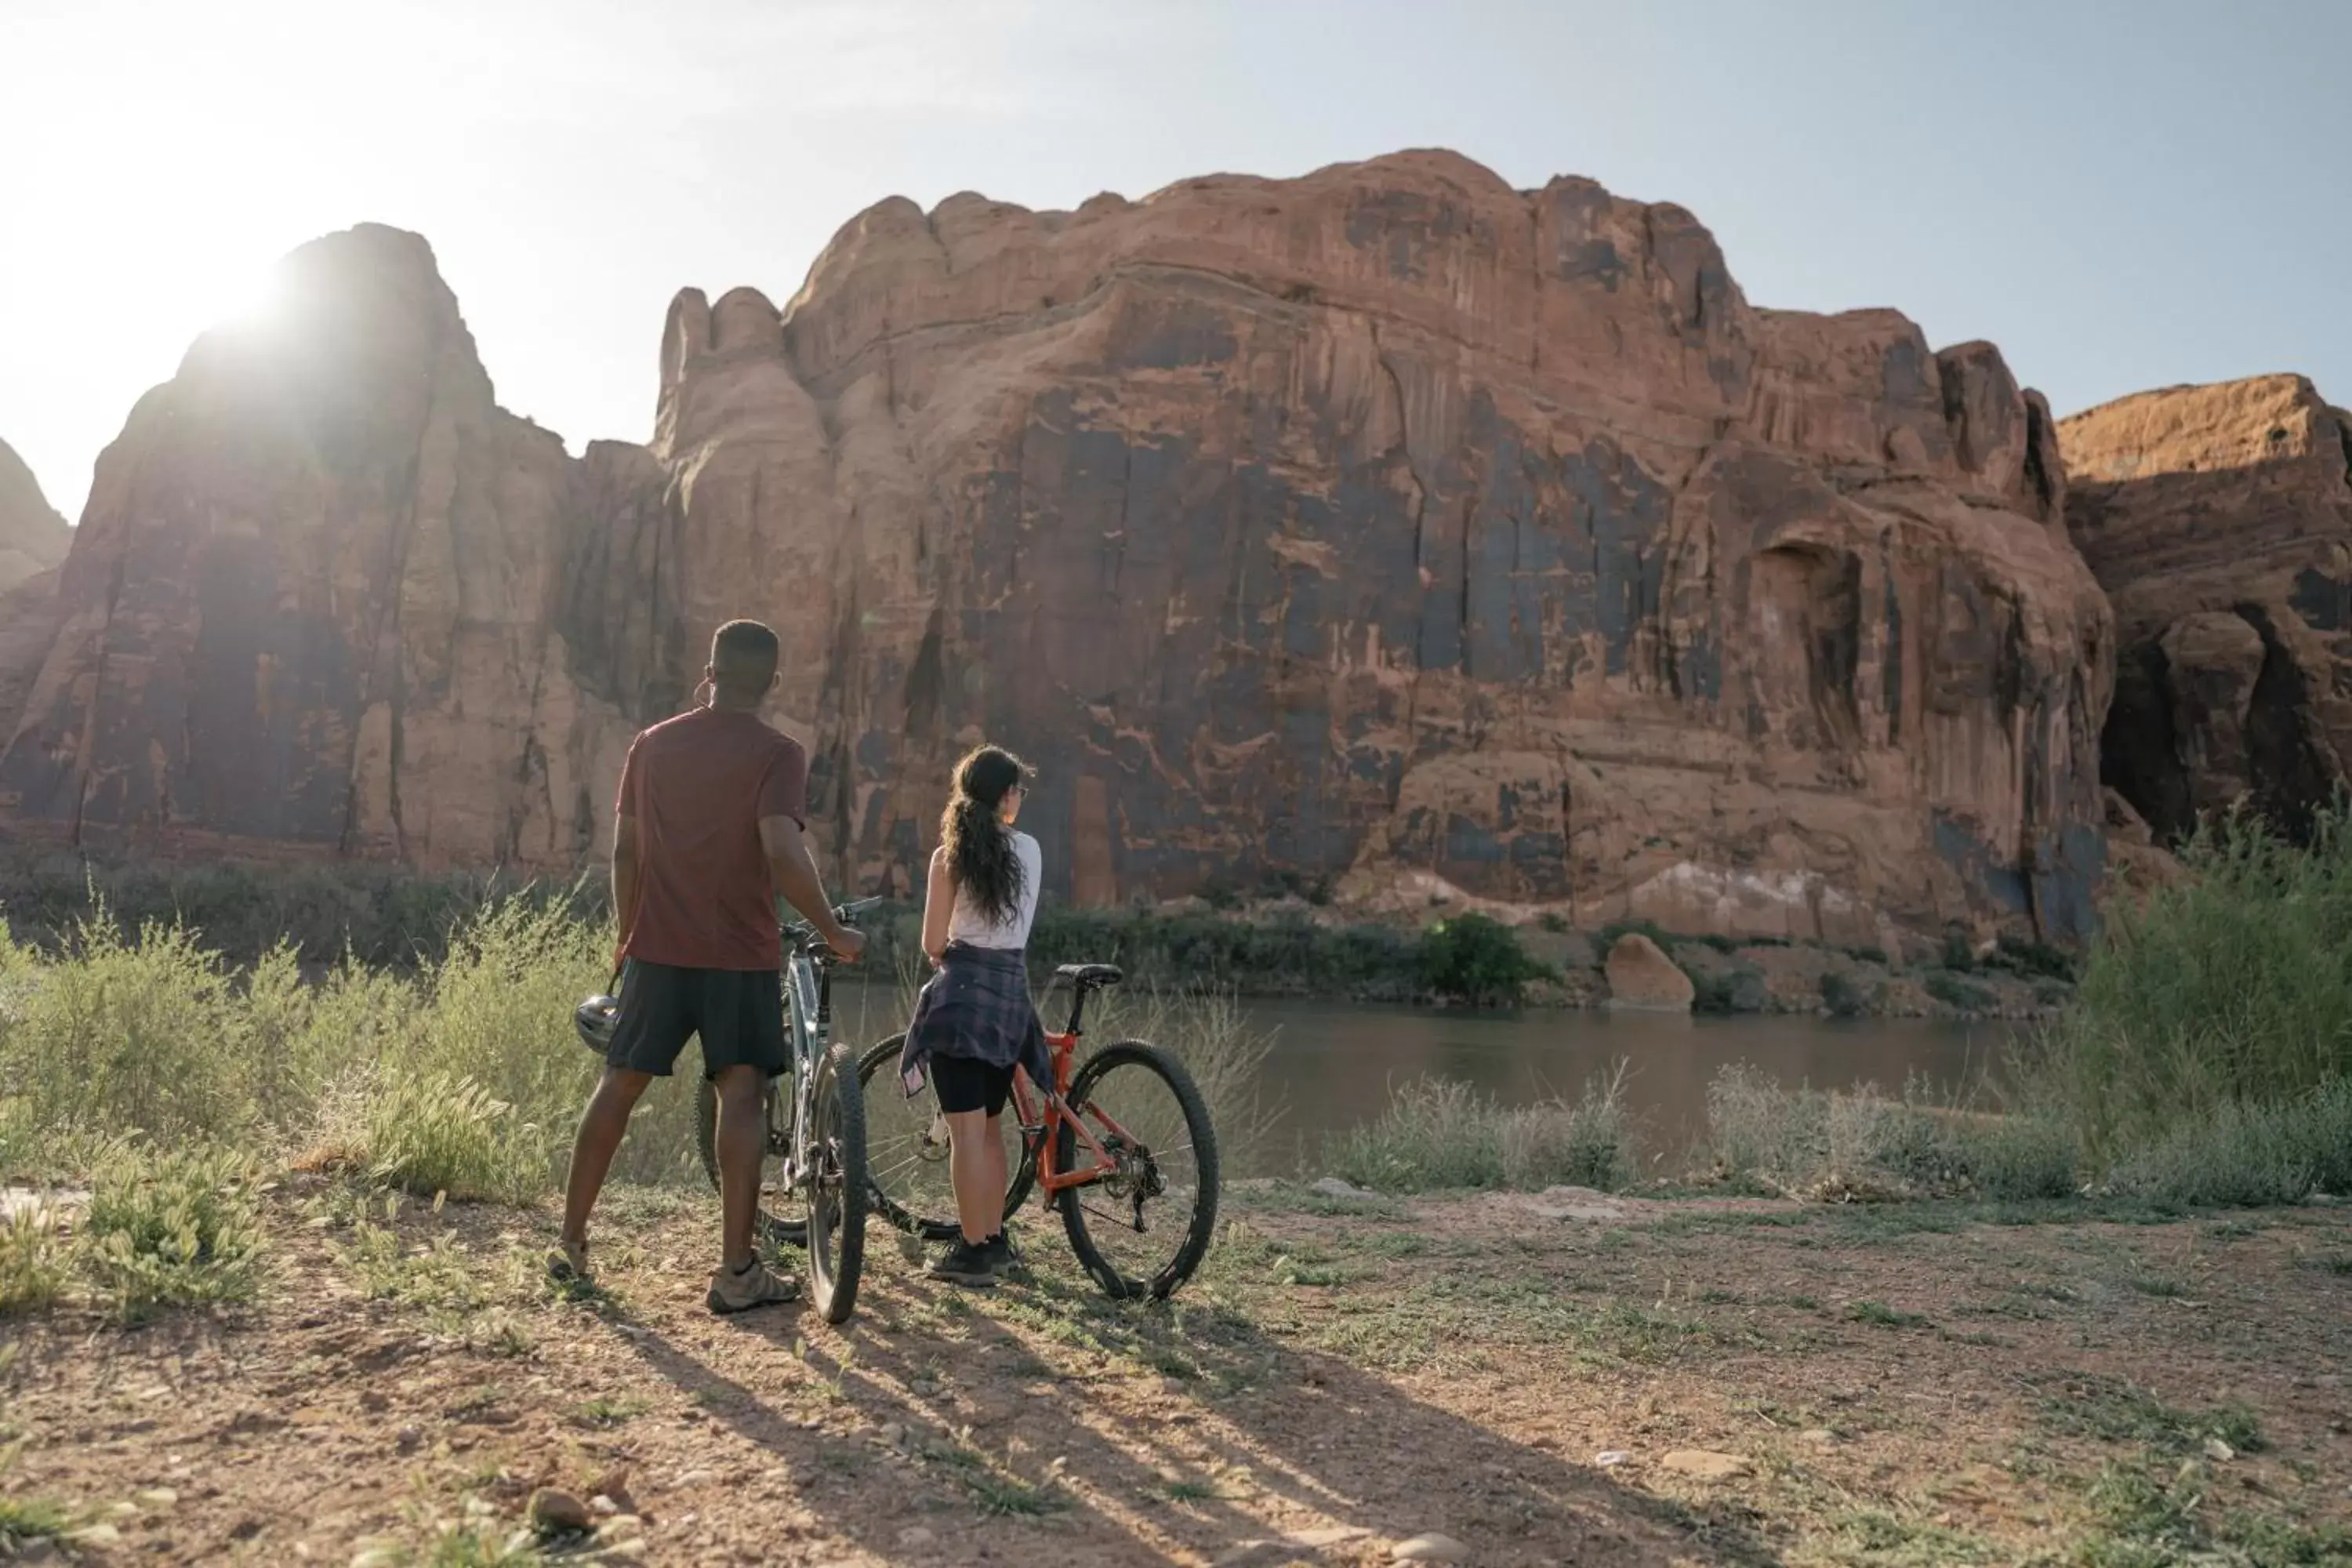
[(1142, 1226), (837, 1186), (907, 1152)]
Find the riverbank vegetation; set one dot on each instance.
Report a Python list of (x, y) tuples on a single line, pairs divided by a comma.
[(380, 918)]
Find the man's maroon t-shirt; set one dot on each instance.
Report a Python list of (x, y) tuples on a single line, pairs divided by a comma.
[(698, 785)]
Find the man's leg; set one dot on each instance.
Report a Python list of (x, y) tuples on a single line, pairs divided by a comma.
[(600, 1127), (742, 1140)]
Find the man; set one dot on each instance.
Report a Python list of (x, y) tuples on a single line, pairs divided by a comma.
[(709, 831)]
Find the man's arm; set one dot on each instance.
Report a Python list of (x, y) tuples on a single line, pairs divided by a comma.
[(792, 871), (625, 858), (939, 908)]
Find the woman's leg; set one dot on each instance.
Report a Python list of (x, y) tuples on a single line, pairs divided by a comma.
[(997, 1178), (976, 1165)]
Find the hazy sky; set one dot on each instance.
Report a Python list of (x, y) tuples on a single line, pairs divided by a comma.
[(2122, 193)]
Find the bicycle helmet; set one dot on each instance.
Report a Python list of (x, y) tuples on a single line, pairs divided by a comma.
[(597, 1019)]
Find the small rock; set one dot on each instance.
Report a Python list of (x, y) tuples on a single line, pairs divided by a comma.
[(408, 1437), (692, 1478), (36, 1551), (602, 1504), (2218, 1452), (554, 1512), (95, 1535), (1333, 1187), (372, 1399), (1706, 1464), (159, 1497), (1818, 1434), (1430, 1547), (892, 1434), (1610, 1458), (915, 1536)]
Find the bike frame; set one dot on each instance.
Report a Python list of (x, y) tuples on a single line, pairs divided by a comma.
[(808, 1013), (1037, 1127)]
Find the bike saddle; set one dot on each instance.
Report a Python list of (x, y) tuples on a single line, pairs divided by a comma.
[(1090, 973)]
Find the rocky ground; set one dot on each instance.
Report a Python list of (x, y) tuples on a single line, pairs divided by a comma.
[(1537, 1379)]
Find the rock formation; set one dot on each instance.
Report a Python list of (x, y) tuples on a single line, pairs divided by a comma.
[(2219, 520), (312, 602), (33, 537), (1388, 524)]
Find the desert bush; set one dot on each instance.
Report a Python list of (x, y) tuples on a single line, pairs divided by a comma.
[(1864, 1143), (2218, 997), (172, 1227), (1476, 958), (1957, 991), (1591, 1142), (31, 1260), (1852, 994), (1440, 1134)]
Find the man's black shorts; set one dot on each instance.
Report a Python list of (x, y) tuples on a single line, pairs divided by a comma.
[(965, 1083), (737, 1012)]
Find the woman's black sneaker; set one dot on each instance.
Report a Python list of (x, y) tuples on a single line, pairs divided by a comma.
[(965, 1264)]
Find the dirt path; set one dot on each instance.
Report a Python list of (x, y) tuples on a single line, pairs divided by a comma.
[(1530, 1377)]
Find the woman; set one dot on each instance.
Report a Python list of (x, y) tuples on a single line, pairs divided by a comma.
[(974, 1022)]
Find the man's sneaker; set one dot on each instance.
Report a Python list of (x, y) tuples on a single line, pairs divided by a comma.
[(965, 1264), (568, 1264), (1001, 1257), (740, 1289)]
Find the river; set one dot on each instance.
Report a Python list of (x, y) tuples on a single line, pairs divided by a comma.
[(1333, 1066)]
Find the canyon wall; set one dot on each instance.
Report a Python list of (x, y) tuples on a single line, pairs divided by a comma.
[(1388, 526), (33, 537), (2219, 520)]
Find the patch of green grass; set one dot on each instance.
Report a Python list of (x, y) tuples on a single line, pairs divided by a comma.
[(2113, 1410), (179, 1227), (29, 1519), (1881, 1315), (1878, 1539), (2335, 1263), (1958, 993)]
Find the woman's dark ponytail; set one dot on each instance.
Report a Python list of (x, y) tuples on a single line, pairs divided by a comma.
[(979, 847)]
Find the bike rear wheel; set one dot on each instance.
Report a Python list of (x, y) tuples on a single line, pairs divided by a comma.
[(837, 1186), (907, 1152), (772, 1221), (1141, 1228)]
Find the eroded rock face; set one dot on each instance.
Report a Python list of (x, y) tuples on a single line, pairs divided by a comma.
[(2218, 518), (1388, 525), (313, 600), (33, 537)]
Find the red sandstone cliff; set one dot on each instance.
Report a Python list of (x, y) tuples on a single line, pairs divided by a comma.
[(1386, 524), (2219, 520), (33, 537)]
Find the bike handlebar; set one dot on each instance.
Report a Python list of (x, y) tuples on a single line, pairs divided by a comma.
[(802, 932)]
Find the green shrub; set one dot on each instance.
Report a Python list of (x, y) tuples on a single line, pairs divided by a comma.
[(128, 1035), (1727, 988), (2239, 1154), (1854, 995), (2232, 989), (1476, 958), (1955, 992), (177, 1227), (2034, 960), (32, 1261)]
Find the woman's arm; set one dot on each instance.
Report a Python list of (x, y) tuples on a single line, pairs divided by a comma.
[(939, 906)]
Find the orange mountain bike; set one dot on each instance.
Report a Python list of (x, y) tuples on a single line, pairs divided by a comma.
[(1121, 1145)]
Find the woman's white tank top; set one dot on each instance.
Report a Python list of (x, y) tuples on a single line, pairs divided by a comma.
[(969, 926)]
